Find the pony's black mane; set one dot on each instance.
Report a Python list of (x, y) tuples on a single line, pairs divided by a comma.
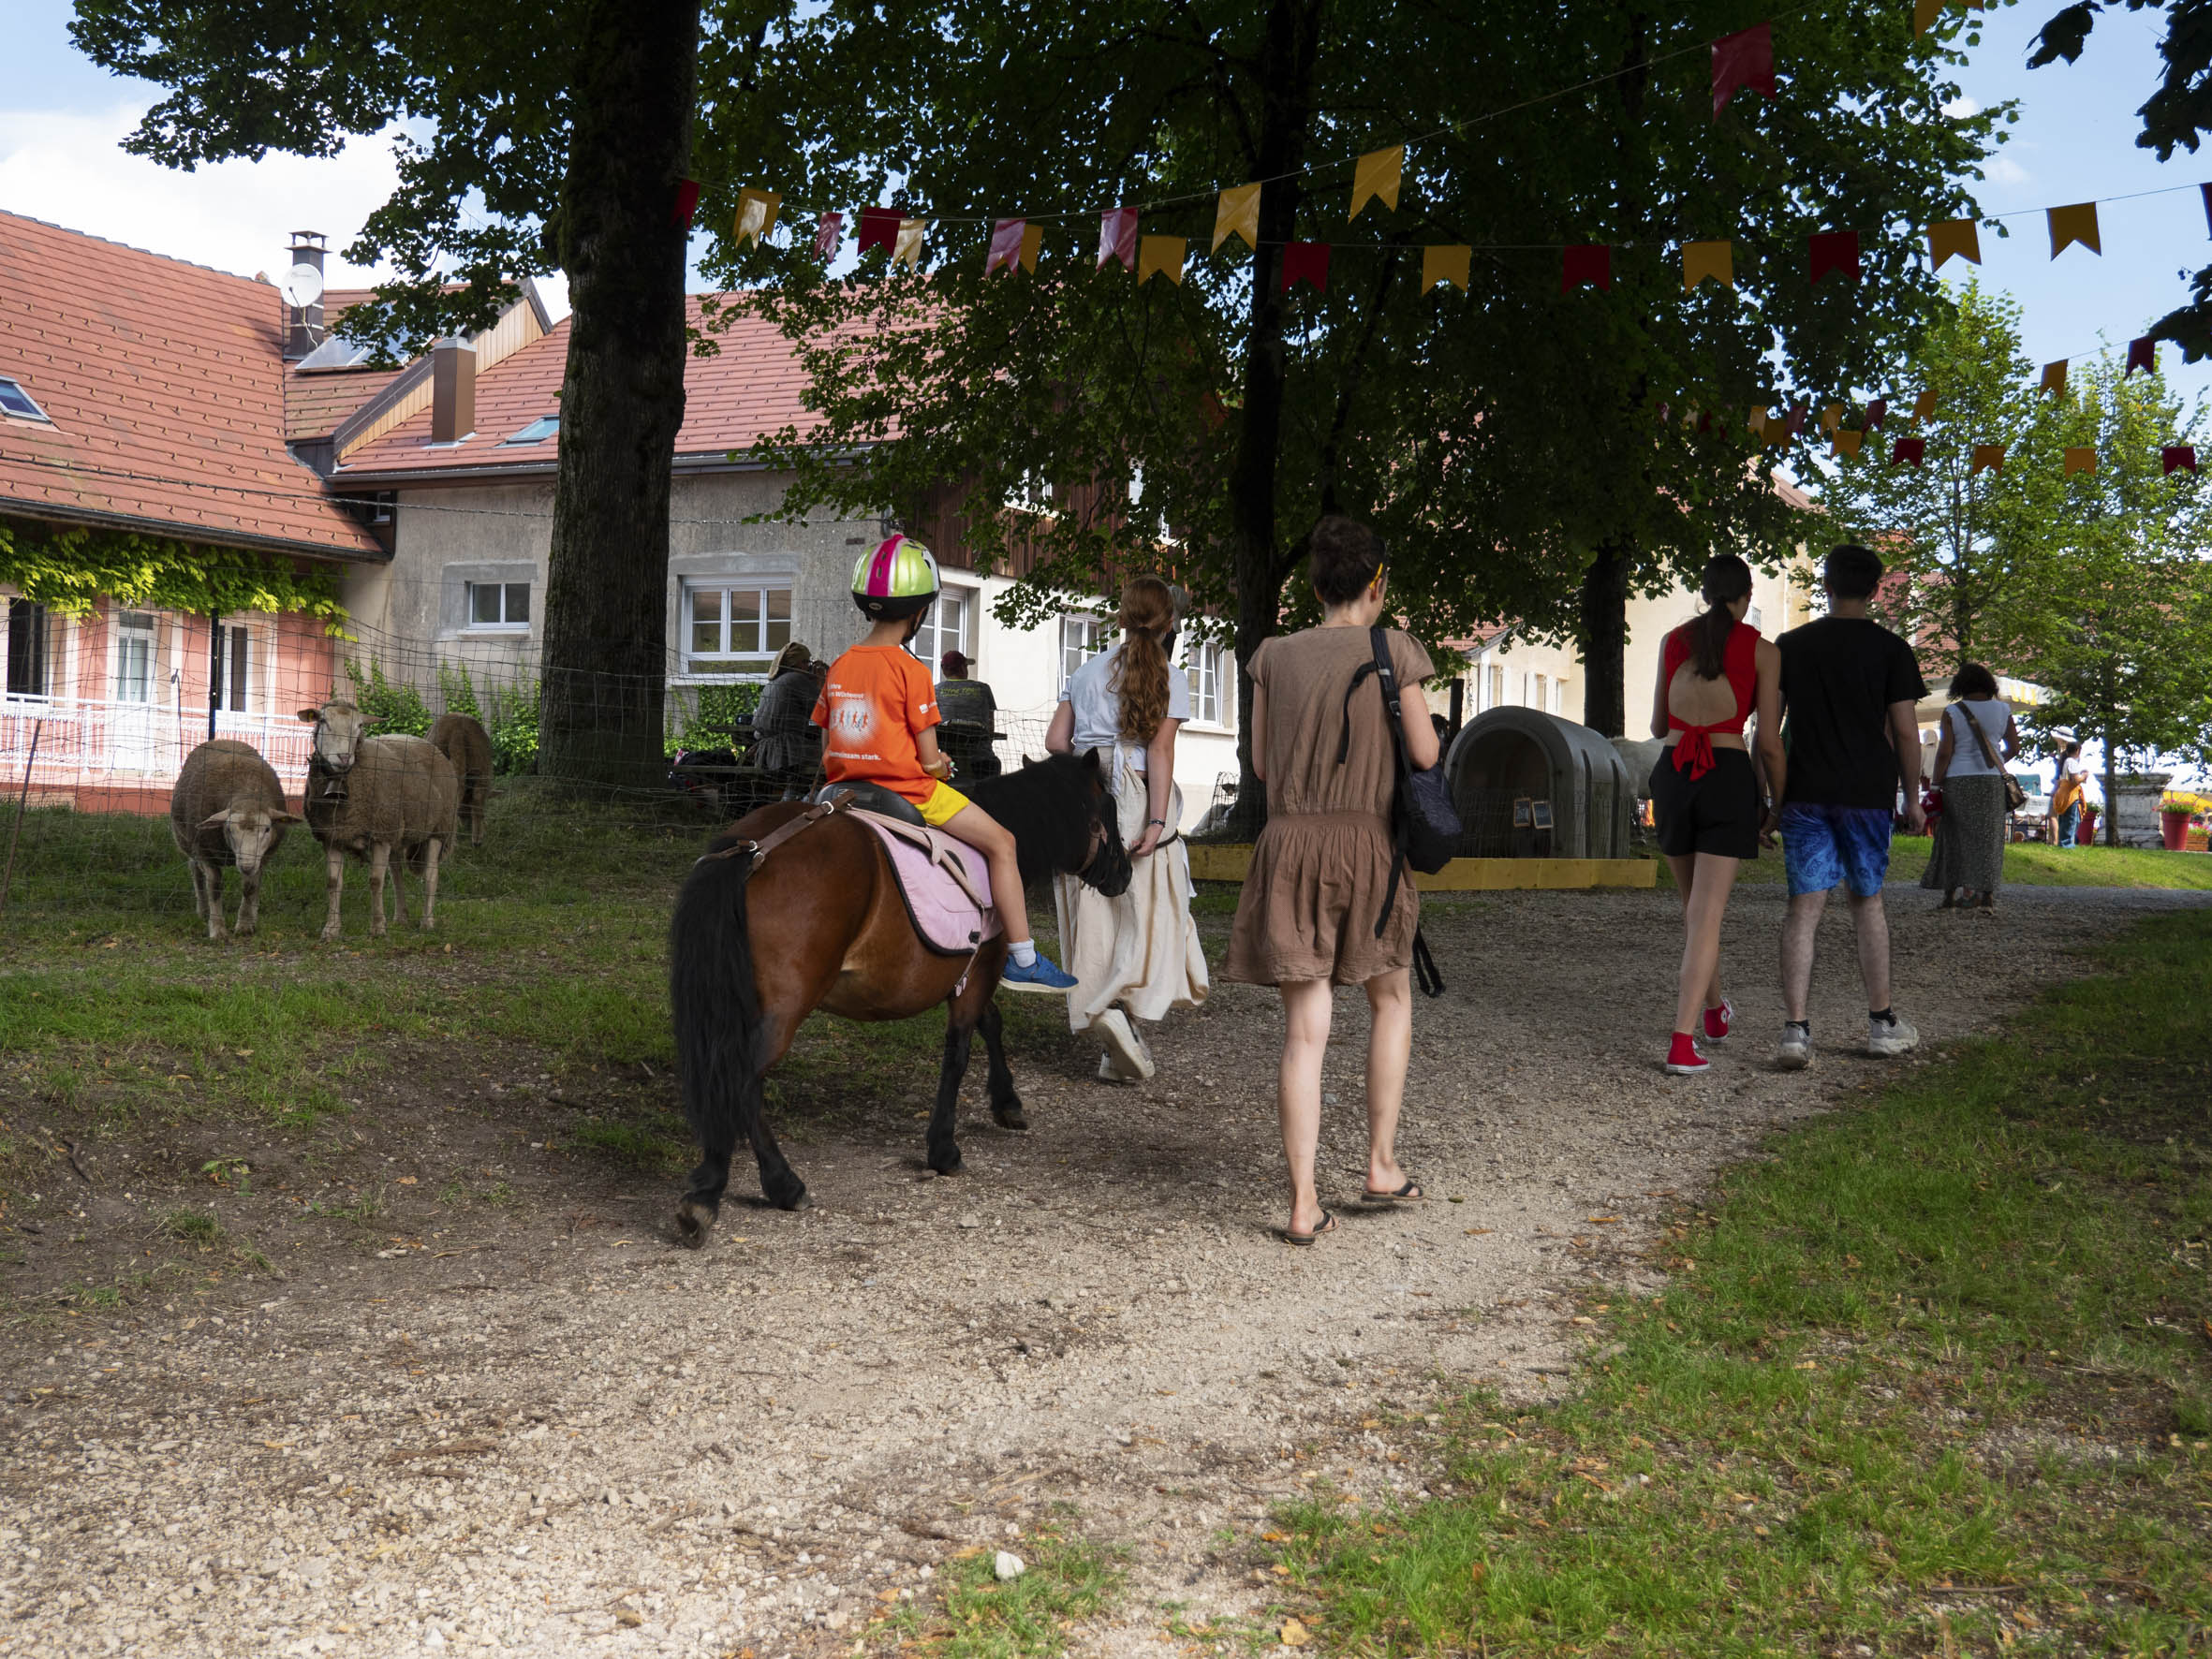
[(1048, 806)]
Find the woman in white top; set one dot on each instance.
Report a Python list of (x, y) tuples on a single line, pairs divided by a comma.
[(1967, 865), (1140, 950)]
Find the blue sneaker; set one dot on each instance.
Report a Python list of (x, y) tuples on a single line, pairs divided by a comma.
[(1044, 976)]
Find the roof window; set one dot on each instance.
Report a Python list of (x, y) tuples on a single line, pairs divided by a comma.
[(544, 426), (15, 400)]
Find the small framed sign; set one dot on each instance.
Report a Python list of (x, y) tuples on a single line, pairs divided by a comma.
[(1541, 811), (1523, 813)]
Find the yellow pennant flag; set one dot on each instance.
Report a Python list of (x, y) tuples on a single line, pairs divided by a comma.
[(1925, 13), (906, 250), (1161, 254), (1955, 238), (2055, 378), (1987, 457), (2081, 460), (1703, 260), (1032, 242), (1755, 422), (2070, 225), (1924, 405), (756, 214), (1378, 175), (1238, 214), (1445, 264), (1830, 416), (1847, 441)]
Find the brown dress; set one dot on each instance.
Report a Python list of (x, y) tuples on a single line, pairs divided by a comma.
[(1322, 863)]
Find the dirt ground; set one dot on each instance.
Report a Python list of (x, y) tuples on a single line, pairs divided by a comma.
[(488, 1405)]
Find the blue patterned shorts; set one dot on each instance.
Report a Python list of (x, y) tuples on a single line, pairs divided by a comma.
[(1824, 846)]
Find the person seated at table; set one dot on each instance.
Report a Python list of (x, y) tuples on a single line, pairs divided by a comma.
[(787, 744), (969, 712)]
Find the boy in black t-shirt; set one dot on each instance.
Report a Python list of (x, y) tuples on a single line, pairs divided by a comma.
[(1848, 688)]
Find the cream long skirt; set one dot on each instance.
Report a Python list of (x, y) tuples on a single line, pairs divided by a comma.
[(1140, 949)]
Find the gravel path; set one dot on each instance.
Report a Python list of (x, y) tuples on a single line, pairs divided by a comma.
[(568, 1438)]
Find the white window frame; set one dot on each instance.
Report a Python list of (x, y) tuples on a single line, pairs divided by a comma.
[(725, 664), (47, 655), (1208, 666), (136, 627), (962, 638), (37, 411), (239, 637), (1082, 637), (469, 622)]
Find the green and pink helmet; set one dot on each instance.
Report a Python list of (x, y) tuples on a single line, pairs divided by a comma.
[(898, 580)]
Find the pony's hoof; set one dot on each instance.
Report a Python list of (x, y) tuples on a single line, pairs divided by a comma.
[(801, 1200), (695, 1224), (950, 1165), (1010, 1116)]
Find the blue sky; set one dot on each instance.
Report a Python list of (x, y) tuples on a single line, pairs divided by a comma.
[(59, 120)]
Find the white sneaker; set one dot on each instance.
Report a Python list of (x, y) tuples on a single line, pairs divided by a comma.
[(1125, 1053), (1794, 1053), (1890, 1037)]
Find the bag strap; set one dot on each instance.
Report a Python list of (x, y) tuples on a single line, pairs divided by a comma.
[(1387, 679), (1980, 737)]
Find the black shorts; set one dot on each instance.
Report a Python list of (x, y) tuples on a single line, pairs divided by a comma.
[(1716, 814)]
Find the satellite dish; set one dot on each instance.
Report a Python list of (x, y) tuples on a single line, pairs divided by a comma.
[(303, 285)]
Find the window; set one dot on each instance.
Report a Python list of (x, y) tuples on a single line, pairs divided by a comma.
[(1081, 637), (1203, 664), (1033, 493), (15, 400), (134, 656), (735, 628), (499, 605), (30, 635), (544, 426), (946, 628), (1536, 698), (1496, 686), (1752, 616), (230, 662)]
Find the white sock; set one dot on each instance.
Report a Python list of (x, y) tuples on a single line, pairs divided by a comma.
[(1024, 954)]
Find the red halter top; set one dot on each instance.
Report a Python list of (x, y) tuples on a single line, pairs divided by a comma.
[(1739, 663)]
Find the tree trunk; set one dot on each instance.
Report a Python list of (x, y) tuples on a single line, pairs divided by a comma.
[(1286, 80), (606, 641), (1602, 624), (2111, 795)]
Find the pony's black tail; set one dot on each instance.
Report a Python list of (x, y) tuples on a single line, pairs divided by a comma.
[(716, 1008)]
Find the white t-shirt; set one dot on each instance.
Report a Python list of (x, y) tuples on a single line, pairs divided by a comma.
[(1089, 692), (1991, 715)]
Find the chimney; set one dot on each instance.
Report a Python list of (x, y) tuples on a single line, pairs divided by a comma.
[(304, 331), (452, 390)]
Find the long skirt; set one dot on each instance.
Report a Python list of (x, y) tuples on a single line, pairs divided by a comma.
[(1970, 835), (1140, 949)]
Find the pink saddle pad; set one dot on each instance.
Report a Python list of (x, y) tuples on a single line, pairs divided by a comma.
[(947, 919)]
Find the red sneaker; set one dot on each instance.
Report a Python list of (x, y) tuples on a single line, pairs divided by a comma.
[(1719, 1019), (1683, 1058)]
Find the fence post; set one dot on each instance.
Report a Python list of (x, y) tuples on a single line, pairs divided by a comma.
[(23, 804)]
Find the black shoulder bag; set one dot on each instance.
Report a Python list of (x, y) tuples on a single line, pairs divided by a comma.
[(1424, 826)]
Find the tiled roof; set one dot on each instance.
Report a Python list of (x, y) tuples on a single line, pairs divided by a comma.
[(752, 387), (316, 403), (164, 382)]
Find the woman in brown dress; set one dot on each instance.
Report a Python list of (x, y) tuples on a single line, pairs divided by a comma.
[(1306, 921)]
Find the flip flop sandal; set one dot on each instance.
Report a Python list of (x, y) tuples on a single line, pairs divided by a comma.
[(1408, 1193), (1292, 1236)]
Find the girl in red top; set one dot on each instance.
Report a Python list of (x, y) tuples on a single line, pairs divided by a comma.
[(1706, 792), (878, 715)]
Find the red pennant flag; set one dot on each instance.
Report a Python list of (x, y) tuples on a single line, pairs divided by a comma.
[(1304, 261), (1589, 265), (1909, 452), (1877, 412), (1741, 60), (1835, 250), (1704, 421), (880, 227), (2141, 354), (687, 201), (1006, 244), (1796, 424), (1117, 237), (829, 230), (2177, 456)]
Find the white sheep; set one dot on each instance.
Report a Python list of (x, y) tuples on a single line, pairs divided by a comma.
[(227, 808), (374, 796)]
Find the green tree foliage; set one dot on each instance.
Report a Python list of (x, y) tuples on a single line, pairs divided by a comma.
[(70, 568), (1974, 545), (1499, 439), (396, 705)]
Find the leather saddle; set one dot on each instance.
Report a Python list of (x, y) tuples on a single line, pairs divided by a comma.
[(871, 798)]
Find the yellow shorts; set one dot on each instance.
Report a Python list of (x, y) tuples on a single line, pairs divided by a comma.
[(944, 800)]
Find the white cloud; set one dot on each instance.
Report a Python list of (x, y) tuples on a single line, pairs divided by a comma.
[(1959, 109), (68, 169), (2003, 169)]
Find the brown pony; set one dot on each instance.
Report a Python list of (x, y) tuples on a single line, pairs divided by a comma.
[(819, 923)]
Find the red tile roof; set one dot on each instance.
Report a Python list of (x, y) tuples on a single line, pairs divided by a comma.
[(315, 404), (752, 387), (166, 386)]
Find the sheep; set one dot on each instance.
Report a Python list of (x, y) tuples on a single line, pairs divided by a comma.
[(227, 808), (468, 746), (372, 795)]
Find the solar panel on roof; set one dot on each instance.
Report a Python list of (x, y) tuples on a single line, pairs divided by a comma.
[(337, 352)]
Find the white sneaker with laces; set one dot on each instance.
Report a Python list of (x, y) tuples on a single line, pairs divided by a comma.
[(1794, 1053), (1890, 1037), (1124, 1051)]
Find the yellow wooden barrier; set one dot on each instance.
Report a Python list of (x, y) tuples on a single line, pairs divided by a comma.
[(1219, 862)]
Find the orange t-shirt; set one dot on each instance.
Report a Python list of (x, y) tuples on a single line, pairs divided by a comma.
[(874, 699)]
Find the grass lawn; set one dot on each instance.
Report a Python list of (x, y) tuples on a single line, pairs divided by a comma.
[(1935, 1377), (2027, 863)]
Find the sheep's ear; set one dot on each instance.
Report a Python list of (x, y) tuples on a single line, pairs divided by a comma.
[(285, 818), (214, 821), (311, 715), (369, 720)]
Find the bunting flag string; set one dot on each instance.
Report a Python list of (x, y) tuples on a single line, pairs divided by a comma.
[(1376, 177), (756, 214)]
